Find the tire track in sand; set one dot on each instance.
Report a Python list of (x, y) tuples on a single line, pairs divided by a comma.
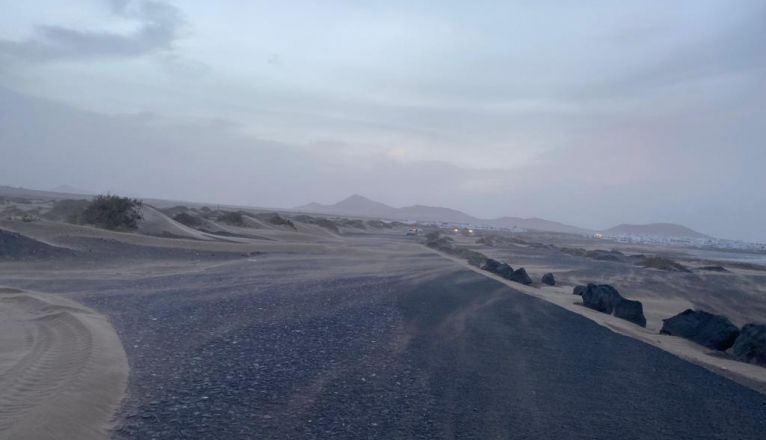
[(62, 369)]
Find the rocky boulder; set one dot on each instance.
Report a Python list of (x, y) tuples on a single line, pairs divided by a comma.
[(601, 297), (578, 290), (606, 299), (504, 270), (490, 265), (630, 310), (549, 279), (520, 276), (750, 345), (498, 268), (707, 329)]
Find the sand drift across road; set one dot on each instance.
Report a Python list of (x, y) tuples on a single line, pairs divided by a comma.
[(361, 336), (62, 369)]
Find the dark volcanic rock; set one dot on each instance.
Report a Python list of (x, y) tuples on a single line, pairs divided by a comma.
[(549, 279), (601, 298), (496, 267), (606, 299), (712, 331), (520, 276), (578, 290), (630, 310), (504, 270), (491, 265), (750, 345)]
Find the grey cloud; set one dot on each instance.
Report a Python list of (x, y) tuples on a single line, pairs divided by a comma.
[(736, 49), (160, 24), (597, 119)]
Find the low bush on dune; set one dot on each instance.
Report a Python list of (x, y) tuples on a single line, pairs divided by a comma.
[(174, 210), (112, 212), (474, 258), (493, 240), (328, 224), (319, 221), (187, 219), (436, 241), (355, 223), (604, 255), (232, 218), (432, 236), (663, 263), (276, 219), (577, 252), (378, 224)]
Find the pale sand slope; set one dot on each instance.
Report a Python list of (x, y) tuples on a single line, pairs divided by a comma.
[(153, 222), (63, 371), (655, 310)]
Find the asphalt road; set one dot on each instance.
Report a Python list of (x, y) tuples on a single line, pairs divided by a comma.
[(279, 350)]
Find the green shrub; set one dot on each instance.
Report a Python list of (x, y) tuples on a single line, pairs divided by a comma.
[(663, 263), (232, 218), (577, 252), (474, 258), (278, 220), (358, 224), (319, 221), (436, 241), (378, 224), (432, 236), (187, 219), (112, 212), (328, 224)]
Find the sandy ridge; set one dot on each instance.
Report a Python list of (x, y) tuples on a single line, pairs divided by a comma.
[(63, 371)]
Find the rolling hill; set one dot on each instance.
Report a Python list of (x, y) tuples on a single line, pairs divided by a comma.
[(361, 206), (655, 230)]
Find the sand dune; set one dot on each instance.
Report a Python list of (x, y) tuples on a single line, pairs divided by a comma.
[(63, 371), (69, 235), (156, 223)]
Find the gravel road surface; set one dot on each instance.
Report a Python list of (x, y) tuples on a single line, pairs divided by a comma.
[(388, 342)]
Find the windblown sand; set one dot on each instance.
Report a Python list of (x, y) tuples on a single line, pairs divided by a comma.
[(264, 293), (655, 309), (63, 371)]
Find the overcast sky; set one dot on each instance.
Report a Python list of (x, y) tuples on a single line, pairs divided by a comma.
[(590, 112)]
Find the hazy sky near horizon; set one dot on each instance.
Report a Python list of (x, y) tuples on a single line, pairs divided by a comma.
[(592, 113)]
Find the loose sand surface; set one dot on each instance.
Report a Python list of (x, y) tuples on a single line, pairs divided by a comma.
[(364, 335), (62, 368)]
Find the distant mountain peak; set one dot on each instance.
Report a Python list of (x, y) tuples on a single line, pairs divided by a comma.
[(355, 204), (355, 197), (359, 205)]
